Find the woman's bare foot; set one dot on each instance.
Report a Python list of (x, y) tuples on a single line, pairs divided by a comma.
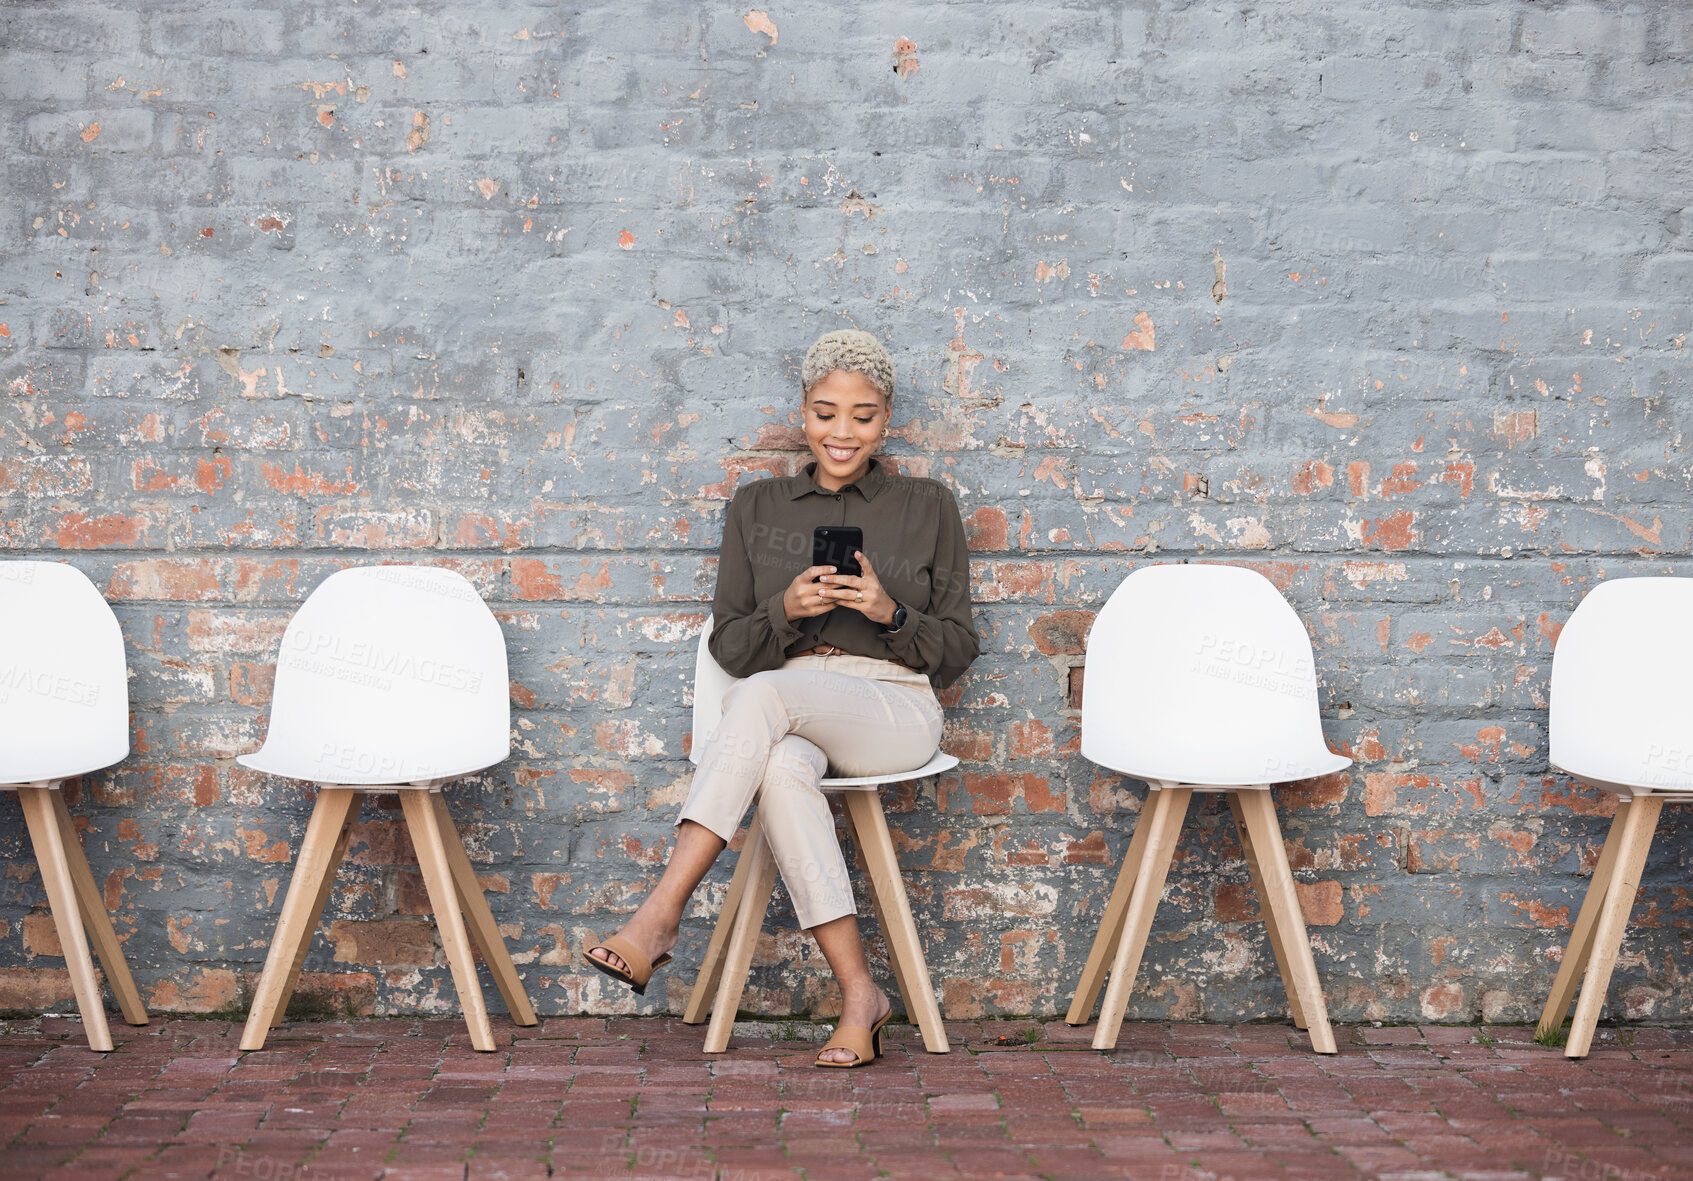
[(653, 933), (862, 1005)]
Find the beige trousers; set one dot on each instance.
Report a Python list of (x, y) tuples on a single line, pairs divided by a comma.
[(781, 731)]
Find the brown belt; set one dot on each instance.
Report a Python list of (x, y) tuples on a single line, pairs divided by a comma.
[(831, 650)]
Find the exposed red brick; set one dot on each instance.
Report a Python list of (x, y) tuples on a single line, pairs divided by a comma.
[(170, 579), (383, 941), (78, 530), (41, 935), (36, 989), (1062, 632), (1321, 903), (1392, 532), (1311, 475), (1029, 740), (195, 990), (1089, 850), (988, 529), (1234, 902)]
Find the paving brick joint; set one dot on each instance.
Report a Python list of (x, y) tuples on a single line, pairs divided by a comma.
[(1386, 301)]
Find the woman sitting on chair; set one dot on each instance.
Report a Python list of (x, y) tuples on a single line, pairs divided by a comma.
[(840, 669)]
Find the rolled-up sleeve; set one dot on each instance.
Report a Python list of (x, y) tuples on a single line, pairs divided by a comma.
[(942, 640), (747, 635)]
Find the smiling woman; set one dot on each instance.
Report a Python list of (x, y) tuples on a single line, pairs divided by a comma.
[(840, 672)]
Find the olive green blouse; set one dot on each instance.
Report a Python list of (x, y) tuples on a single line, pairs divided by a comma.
[(913, 538)]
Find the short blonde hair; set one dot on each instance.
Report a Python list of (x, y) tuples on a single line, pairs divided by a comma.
[(853, 350)]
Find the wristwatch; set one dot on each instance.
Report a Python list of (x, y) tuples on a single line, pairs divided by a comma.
[(898, 620)]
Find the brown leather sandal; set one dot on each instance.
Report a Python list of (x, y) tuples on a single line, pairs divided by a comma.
[(866, 1043), (639, 970)]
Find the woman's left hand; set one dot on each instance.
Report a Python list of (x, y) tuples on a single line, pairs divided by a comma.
[(863, 592)]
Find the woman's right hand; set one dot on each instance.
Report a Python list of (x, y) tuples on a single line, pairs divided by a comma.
[(804, 596)]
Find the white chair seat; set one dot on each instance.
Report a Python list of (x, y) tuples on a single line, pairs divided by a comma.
[(1243, 775), (940, 762), (287, 763)]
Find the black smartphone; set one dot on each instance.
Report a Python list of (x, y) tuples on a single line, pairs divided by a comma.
[(834, 545)]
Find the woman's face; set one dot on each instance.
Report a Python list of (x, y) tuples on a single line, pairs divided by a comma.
[(845, 419)]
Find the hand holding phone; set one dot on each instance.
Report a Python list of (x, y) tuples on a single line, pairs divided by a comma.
[(853, 584)]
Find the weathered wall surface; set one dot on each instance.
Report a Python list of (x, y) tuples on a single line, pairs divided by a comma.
[(1387, 301)]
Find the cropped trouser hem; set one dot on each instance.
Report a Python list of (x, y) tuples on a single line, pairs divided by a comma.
[(782, 731)]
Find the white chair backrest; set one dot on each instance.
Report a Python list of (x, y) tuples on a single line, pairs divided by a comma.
[(1202, 674), (64, 686), (1622, 686), (388, 675), (711, 684)]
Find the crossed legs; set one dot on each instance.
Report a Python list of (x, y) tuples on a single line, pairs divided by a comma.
[(771, 744)]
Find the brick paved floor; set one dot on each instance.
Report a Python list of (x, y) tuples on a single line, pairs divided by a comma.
[(636, 1098)]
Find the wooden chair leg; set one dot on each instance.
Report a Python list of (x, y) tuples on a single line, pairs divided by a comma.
[(1259, 811), (1169, 806), (895, 965), (1636, 841), (296, 924), (1105, 943), (480, 918), (92, 905), (1272, 929), (430, 843), (326, 886), (1580, 946), (887, 886), (743, 939), (51, 857), (711, 967)]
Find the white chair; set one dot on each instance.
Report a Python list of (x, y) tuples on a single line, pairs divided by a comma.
[(1200, 678), (1621, 718), (64, 712), (390, 679), (728, 956)]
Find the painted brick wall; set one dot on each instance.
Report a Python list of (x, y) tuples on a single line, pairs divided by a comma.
[(1387, 301)]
